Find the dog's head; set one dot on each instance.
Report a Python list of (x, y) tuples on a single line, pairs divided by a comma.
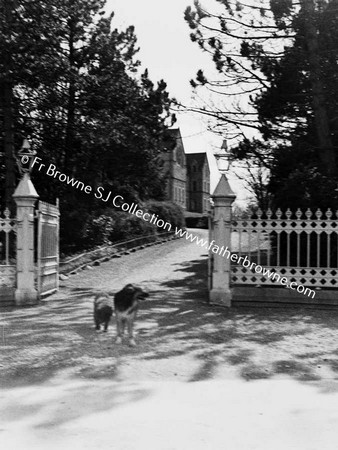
[(136, 292)]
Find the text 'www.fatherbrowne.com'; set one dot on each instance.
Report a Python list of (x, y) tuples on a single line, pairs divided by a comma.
[(118, 201), (244, 261)]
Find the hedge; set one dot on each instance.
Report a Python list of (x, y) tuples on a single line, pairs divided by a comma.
[(115, 225)]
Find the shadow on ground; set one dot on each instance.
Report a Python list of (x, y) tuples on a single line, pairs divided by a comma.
[(176, 326), (58, 404), (258, 342)]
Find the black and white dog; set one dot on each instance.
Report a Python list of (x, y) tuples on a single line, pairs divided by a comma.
[(126, 303)]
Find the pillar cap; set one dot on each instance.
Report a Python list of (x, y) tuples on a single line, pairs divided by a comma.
[(223, 189), (25, 188)]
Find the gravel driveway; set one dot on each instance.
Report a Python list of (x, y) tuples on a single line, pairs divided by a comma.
[(200, 377)]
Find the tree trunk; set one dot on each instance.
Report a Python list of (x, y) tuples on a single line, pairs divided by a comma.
[(8, 121), (326, 148), (9, 144), (69, 138)]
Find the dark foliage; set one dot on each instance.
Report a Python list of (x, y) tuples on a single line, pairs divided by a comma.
[(111, 225), (278, 73), (70, 84)]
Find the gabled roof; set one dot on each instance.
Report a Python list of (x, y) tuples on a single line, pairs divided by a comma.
[(174, 132), (200, 158)]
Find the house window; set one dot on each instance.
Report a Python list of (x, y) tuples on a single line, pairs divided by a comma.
[(194, 186)]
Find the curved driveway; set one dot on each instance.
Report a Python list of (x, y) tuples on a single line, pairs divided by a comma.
[(199, 378)]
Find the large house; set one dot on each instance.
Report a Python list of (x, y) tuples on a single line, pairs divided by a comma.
[(188, 175)]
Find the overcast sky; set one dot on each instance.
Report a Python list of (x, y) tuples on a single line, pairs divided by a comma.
[(168, 53)]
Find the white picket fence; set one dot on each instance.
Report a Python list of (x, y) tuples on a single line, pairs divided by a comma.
[(7, 226), (301, 246)]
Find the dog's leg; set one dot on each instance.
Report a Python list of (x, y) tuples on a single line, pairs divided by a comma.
[(97, 324), (131, 319), (106, 325), (123, 324), (119, 330)]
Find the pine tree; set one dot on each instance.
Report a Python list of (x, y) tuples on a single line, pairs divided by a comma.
[(26, 34), (281, 55), (77, 94)]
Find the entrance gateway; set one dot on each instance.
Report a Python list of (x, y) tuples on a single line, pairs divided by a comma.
[(29, 248), (293, 256)]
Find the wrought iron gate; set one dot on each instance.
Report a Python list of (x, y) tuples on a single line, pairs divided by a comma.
[(48, 248)]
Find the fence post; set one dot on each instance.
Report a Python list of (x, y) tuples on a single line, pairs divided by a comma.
[(25, 197), (223, 197)]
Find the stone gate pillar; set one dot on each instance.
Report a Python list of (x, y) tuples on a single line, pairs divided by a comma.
[(223, 197), (25, 197)]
